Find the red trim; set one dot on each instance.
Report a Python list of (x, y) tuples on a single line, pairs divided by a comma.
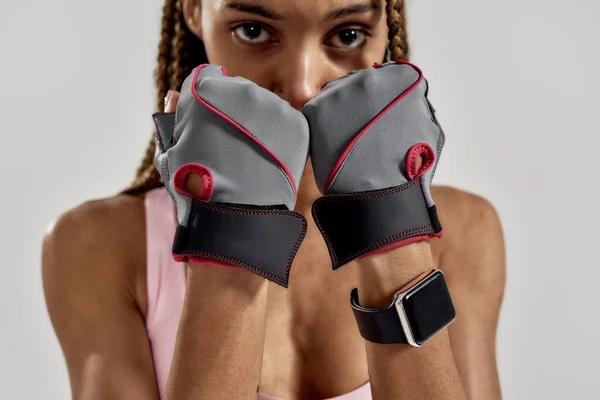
[(345, 153), (179, 257), (182, 174), (404, 242), (201, 260), (396, 244), (232, 261), (241, 129), (412, 160)]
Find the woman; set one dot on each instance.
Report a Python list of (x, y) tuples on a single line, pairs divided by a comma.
[(128, 317)]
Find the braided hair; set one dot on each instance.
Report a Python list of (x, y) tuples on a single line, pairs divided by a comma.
[(180, 51)]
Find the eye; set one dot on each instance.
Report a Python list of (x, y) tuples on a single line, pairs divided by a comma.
[(252, 33), (349, 38)]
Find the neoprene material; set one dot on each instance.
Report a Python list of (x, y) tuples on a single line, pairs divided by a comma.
[(354, 225), (429, 309), (249, 148), (269, 239), (368, 130)]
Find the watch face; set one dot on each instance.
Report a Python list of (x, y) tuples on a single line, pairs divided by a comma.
[(429, 307)]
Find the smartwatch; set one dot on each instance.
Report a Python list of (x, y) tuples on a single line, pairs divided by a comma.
[(419, 311)]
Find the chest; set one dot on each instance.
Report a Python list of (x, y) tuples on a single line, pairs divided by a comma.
[(313, 349)]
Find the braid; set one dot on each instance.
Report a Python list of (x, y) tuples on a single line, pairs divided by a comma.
[(397, 35), (179, 52)]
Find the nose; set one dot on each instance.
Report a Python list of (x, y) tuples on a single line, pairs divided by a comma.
[(300, 75)]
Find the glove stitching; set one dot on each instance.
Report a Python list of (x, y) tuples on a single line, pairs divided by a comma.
[(260, 272), (243, 264), (392, 104), (341, 169), (374, 194), (424, 150), (228, 118), (389, 239), (327, 241), (338, 198), (440, 145), (159, 136)]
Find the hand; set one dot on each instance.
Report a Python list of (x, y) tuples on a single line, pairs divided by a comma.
[(246, 149), (194, 181), (375, 143)]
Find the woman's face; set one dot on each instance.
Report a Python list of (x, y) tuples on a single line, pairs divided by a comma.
[(291, 47)]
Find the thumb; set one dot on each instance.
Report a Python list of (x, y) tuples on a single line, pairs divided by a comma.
[(196, 184), (171, 100), (165, 121)]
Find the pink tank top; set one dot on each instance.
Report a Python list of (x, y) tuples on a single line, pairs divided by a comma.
[(166, 291)]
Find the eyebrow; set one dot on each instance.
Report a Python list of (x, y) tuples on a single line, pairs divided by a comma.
[(253, 9), (262, 11), (351, 10)]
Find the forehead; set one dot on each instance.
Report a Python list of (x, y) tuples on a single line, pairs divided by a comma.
[(310, 9)]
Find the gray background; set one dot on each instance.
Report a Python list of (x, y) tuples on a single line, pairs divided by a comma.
[(515, 83)]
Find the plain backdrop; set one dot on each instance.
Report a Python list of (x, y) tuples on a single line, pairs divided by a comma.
[(515, 84)]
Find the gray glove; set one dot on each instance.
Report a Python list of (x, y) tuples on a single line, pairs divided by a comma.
[(250, 148), (368, 130)]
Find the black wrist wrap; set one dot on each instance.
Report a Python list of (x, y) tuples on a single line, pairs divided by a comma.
[(356, 224), (262, 241)]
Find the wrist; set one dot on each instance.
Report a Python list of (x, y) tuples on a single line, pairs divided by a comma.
[(381, 275), (216, 280)]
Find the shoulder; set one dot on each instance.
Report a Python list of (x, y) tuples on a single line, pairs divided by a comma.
[(115, 223), (92, 259), (464, 211), (473, 234), (100, 242)]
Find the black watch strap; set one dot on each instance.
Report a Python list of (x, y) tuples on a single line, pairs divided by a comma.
[(419, 310), (262, 241), (378, 325), (354, 225)]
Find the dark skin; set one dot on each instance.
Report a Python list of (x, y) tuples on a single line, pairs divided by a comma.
[(94, 260)]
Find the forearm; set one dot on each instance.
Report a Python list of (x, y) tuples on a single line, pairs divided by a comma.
[(399, 370), (219, 346)]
